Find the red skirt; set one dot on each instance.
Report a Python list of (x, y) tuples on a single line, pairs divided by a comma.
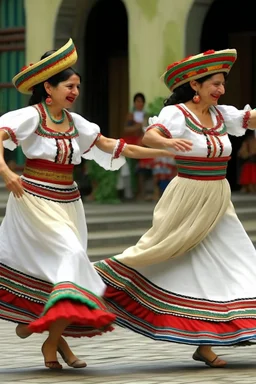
[(37, 303), (248, 174)]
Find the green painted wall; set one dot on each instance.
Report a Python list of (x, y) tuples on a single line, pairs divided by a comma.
[(11, 15)]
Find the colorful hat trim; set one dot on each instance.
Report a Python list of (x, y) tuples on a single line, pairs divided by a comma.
[(41, 71), (194, 67)]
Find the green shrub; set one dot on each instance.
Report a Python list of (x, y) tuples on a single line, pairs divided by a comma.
[(155, 106)]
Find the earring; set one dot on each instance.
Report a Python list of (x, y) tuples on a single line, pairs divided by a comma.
[(48, 100), (196, 98)]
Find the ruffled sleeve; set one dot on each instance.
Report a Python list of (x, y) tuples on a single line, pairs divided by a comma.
[(170, 121), (19, 125), (89, 133), (236, 120)]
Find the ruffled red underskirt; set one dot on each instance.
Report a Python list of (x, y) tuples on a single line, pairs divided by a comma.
[(75, 313), (85, 321)]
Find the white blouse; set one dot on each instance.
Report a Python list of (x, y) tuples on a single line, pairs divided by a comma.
[(26, 128), (177, 121)]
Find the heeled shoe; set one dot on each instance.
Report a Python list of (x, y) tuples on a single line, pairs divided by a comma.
[(74, 364), (215, 363), (20, 331), (54, 364)]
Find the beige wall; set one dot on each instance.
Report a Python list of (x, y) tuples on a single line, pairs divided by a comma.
[(40, 27), (156, 38)]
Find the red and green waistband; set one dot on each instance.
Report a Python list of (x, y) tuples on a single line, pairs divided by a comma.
[(201, 168)]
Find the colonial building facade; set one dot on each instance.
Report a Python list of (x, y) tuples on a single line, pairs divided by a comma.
[(124, 46)]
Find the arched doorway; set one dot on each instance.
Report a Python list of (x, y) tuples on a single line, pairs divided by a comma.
[(106, 66), (221, 27), (99, 29)]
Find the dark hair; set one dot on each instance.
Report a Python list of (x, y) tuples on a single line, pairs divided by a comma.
[(39, 93), (139, 95), (185, 92)]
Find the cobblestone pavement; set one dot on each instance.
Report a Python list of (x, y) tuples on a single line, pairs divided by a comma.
[(120, 357)]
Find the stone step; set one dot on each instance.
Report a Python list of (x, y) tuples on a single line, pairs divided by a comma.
[(100, 253), (118, 237), (119, 222), (243, 200), (250, 227), (246, 213), (121, 209)]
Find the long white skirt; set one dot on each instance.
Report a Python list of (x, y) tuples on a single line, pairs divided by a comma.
[(191, 277), (45, 273)]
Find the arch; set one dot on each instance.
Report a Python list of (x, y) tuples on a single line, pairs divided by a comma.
[(70, 21), (194, 25)]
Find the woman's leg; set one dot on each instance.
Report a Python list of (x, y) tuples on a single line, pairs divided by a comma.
[(63, 348), (68, 356), (205, 354), (50, 346)]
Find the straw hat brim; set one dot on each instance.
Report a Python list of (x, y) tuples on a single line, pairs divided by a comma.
[(41, 71)]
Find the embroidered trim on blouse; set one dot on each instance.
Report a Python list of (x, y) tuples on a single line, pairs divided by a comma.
[(246, 119), (11, 134), (64, 151), (45, 131), (219, 129), (161, 128), (97, 138)]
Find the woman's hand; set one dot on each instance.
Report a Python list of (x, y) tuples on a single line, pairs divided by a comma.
[(180, 144), (12, 181)]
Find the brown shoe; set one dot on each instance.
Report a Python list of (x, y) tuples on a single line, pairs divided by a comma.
[(77, 363), (215, 363)]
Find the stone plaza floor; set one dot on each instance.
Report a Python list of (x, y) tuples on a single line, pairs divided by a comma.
[(120, 357)]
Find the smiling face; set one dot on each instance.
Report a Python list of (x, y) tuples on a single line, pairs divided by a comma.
[(65, 93), (211, 89)]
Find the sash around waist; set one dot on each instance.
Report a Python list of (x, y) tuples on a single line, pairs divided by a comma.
[(201, 168), (49, 172)]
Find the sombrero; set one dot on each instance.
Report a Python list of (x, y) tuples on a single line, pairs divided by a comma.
[(194, 67), (39, 72)]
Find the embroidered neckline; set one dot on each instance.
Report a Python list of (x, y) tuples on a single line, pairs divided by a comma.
[(45, 131), (219, 129)]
